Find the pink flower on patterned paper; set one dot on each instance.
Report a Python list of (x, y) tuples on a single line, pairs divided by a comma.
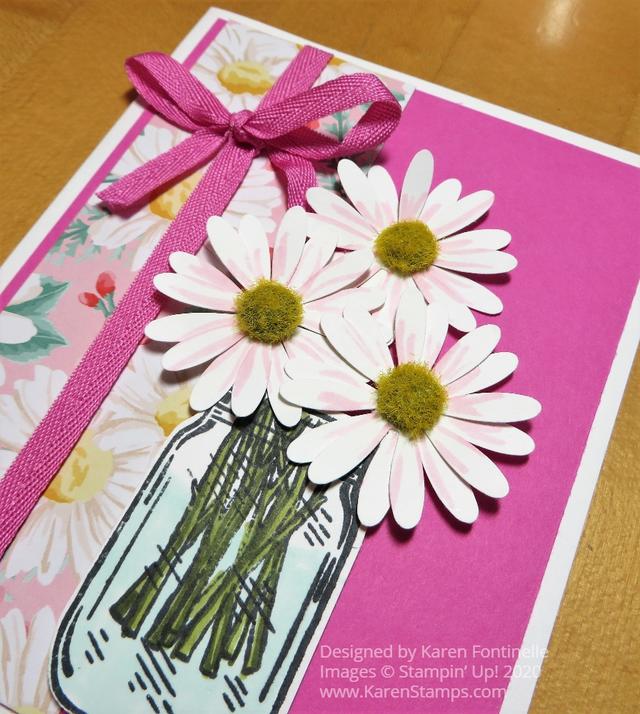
[(106, 283), (104, 300)]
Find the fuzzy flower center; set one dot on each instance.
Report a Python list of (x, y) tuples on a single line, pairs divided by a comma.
[(411, 399), (406, 247), (268, 312)]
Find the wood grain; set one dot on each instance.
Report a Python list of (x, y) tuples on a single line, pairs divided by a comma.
[(569, 62)]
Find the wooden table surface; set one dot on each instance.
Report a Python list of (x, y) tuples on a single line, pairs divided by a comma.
[(570, 62)]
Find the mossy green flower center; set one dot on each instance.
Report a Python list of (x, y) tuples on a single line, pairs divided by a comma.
[(406, 247), (268, 312), (411, 399)]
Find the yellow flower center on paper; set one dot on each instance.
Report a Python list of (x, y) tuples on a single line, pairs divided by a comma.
[(245, 76), (269, 312), (173, 410), (406, 247), (28, 710), (84, 473), (167, 204), (411, 398)]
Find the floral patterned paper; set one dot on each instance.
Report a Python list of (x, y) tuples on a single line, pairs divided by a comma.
[(54, 317)]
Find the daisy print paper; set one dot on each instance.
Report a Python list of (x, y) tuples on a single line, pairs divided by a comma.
[(259, 194), (88, 496), (257, 309), (242, 65), (423, 414), (416, 238), (24, 662)]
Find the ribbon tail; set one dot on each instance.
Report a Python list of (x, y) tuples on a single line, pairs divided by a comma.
[(298, 173), (45, 453), (151, 178)]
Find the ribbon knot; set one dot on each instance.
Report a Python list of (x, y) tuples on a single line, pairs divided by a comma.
[(237, 122)]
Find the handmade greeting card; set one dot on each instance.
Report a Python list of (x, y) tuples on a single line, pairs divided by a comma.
[(307, 377)]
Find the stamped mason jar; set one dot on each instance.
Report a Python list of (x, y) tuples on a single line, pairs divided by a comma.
[(216, 585)]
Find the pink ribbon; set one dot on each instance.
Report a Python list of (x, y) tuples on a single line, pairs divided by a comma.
[(278, 128)]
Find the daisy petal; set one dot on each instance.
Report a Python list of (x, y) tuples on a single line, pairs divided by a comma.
[(186, 325), (465, 291), (501, 439), (494, 369), (343, 270), (455, 495), (336, 370), (457, 314), (386, 194), (354, 346), (250, 383), (480, 262), (316, 254), (364, 328), (492, 407), (334, 304), (373, 499), (290, 239), (411, 325), (340, 214), (437, 326), (16, 329), (470, 463), (315, 439), (393, 287), (201, 348), (257, 246), (194, 292), (479, 239), (467, 353), (416, 185), (193, 267), (348, 450), (324, 229), (310, 345), (406, 485), (287, 414), (461, 214), (231, 250), (328, 395), (357, 187), (217, 379), (442, 196)]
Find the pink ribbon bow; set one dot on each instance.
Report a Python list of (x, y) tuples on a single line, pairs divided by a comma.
[(278, 128), (230, 141)]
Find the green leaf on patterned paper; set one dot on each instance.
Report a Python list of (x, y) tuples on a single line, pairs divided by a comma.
[(46, 339), (76, 234), (40, 305), (72, 238), (47, 336)]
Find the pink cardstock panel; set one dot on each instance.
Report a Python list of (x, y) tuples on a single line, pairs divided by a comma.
[(574, 217)]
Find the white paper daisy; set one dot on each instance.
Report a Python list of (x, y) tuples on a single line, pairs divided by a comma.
[(420, 415), (258, 194), (262, 311), (412, 238)]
